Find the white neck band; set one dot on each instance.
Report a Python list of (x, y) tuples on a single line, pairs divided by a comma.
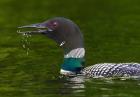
[(76, 53)]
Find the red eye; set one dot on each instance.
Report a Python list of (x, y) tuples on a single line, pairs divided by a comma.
[(55, 24)]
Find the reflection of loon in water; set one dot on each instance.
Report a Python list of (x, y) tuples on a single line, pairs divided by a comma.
[(74, 86), (68, 35)]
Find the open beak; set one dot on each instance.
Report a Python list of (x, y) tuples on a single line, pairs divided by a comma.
[(34, 28)]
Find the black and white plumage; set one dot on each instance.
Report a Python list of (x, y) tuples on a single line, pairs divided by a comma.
[(112, 70), (68, 35), (106, 69)]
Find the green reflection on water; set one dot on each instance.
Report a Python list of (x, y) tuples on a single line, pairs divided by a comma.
[(111, 31)]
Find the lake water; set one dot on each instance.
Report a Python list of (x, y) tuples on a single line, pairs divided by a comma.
[(112, 34)]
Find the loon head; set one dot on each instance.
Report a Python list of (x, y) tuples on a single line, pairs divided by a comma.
[(67, 35)]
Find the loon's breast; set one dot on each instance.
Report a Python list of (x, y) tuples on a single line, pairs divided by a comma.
[(112, 69)]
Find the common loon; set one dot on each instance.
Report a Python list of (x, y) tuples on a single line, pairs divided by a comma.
[(68, 35)]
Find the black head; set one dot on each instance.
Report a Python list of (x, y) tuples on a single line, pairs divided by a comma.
[(66, 33)]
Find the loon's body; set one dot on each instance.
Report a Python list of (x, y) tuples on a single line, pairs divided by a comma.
[(68, 35), (97, 70), (112, 70)]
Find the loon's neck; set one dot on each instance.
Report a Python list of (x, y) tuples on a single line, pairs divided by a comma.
[(73, 61)]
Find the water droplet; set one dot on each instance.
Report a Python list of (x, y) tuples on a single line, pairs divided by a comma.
[(26, 42), (23, 45)]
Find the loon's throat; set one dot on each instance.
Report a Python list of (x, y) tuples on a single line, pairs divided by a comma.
[(73, 61)]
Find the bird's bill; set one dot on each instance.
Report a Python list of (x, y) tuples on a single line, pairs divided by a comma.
[(34, 28)]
